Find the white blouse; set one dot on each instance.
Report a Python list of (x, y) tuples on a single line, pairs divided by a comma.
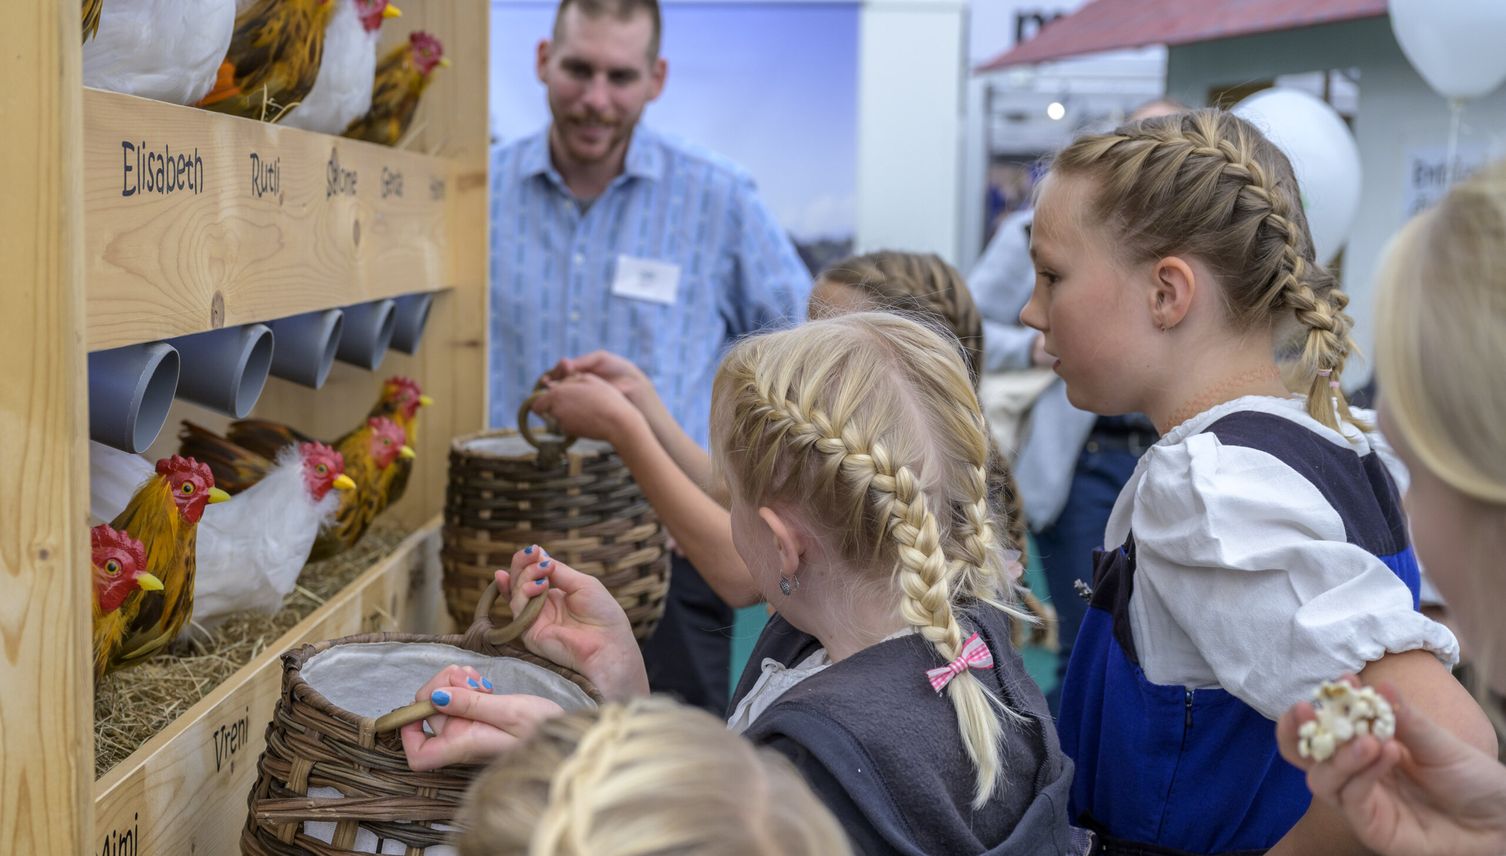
[(1244, 578), (778, 679)]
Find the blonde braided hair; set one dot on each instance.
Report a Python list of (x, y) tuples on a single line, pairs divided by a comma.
[(867, 426), (1208, 184), (648, 778)]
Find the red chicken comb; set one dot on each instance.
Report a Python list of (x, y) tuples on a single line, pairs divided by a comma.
[(399, 383), (104, 537), (177, 465), (426, 50), (317, 453)]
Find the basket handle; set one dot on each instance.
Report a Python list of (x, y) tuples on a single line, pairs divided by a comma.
[(550, 451), (498, 636)]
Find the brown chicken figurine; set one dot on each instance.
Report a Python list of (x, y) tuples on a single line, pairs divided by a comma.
[(273, 59), (164, 516), (119, 568), (91, 12), (401, 78), (371, 456)]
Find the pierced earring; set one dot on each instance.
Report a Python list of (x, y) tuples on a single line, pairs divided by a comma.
[(788, 585)]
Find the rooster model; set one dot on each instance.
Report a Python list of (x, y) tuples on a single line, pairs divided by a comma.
[(169, 50), (164, 516), (342, 92), (119, 567), (273, 59), (401, 78)]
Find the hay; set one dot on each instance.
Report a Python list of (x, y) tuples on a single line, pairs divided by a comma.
[(132, 705)]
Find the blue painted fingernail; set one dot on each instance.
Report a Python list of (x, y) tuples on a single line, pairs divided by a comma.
[(472, 682), (440, 697), (544, 564), (528, 551), (486, 683), (538, 582)]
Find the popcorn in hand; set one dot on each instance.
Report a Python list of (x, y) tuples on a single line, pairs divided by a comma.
[(1344, 711)]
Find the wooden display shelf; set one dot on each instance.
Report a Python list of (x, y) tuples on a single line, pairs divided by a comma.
[(97, 256), (184, 791), (195, 220)]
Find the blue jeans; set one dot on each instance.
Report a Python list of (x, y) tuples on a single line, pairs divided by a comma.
[(1066, 546)]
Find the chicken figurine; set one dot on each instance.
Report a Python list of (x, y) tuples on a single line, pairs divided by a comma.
[(119, 573), (169, 50), (401, 78), (164, 516), (370, 454), (342, 91), (400, 400), (273, 59), (252, 548), (375, 450), (91, 18)]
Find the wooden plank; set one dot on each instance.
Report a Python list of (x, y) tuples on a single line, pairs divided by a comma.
[(195, 220), (46, 701), (184, 791)]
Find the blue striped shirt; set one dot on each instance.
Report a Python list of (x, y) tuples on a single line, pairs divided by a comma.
[(552, 268)]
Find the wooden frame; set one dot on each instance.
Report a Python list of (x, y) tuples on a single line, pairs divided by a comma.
[(90, 266)]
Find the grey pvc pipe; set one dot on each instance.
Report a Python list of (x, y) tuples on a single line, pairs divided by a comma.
[(306, 345), (130, 390), (225, 370), (412, 315), (368, 332)]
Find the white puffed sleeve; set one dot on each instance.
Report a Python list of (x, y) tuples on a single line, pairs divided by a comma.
[(1244, 579)]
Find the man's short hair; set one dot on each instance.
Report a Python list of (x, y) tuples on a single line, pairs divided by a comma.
[(622, 10)]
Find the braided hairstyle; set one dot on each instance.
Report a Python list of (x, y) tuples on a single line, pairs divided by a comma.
[(648, 778), (924, 285), (1208, 184), (866, 425)]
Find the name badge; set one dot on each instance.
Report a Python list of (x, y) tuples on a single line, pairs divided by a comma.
[(646, 279)]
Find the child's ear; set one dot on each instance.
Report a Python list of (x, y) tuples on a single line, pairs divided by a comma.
[(1173, 288), (786, 540)]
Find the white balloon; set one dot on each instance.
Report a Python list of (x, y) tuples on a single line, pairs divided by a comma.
[(1456, 45), (1323, 155)]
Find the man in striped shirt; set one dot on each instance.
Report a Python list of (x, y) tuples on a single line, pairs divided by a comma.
[(606, 235)]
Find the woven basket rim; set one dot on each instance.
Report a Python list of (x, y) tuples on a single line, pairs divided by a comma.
[(294, 659), (457, 447)]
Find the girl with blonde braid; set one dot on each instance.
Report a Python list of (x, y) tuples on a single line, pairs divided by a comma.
[(854, 456), (1260, 546), (646, 778)]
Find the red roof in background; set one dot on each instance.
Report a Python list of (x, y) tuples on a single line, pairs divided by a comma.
[(1112, 24)]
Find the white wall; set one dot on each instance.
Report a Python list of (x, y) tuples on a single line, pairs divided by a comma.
[(1397, 116), (911, 64)]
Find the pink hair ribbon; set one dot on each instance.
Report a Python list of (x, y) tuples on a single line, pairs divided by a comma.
[(975, 655)]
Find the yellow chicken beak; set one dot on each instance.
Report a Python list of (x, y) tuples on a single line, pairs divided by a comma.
[(217, 495), (147, 582), (392, 12), (425, 400), (344, 482), (444, 62), (407, 453)]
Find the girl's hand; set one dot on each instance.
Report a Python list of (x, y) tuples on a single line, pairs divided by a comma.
[(1423, 792), (475, 725), (585, 405), (580, 627), (618, 371)]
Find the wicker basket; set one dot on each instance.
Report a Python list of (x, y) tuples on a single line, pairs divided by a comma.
[(508, 490), (333, 779)]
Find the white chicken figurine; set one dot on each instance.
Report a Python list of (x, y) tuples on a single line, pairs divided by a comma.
[(342, 92), (169, 50), (252, 548)]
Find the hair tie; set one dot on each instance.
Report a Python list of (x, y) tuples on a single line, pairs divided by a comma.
[(1013, 570), (975, 655), (1325, 372)]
